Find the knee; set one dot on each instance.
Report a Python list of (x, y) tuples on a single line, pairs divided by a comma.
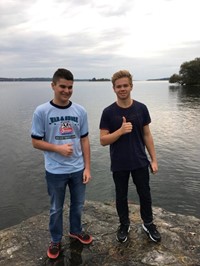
[(55, 210), (121, 197)]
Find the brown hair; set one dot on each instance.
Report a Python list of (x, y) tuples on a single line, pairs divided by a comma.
[(62, 73), (122, 74)]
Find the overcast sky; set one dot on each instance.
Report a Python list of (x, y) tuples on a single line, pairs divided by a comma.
[(95, 38)]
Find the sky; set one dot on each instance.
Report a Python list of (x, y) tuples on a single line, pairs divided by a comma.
[(95, 38)]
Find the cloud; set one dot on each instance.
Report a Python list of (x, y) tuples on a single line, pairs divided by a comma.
[(94, 38)]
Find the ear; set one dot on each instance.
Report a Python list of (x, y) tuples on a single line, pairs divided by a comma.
[(52, 85)]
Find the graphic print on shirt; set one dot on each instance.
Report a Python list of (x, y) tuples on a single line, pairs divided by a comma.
[(66, 126)]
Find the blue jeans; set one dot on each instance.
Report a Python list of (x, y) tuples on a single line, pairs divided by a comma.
[(141, 180), (56, 185)]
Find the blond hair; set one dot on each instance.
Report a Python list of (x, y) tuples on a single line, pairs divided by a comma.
[(122, 74)]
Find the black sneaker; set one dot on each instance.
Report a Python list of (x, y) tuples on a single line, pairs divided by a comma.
[(53, 250), (152, 232), (122, 233)]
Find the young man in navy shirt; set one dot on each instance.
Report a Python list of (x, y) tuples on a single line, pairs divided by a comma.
[(124, 126)]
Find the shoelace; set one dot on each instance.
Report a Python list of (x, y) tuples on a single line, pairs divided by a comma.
[(153, 227), (54, 245), (83, 235)]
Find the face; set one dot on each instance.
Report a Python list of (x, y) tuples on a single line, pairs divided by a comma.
[(123, 88), (62, 91)]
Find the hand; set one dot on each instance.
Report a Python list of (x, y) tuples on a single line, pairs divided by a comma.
[(154, 167), (86, 176), (126, 127), (65, 149)]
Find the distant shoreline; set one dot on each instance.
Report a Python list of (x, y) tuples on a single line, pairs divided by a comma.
[(50, 79), (34, 79), (158, 79)]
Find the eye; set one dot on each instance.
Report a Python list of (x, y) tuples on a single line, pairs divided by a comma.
[(62, 86)]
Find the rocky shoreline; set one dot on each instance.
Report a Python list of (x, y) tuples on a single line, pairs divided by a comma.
[(26, 243)]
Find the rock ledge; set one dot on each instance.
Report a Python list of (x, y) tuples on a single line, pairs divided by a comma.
[(25, 244)]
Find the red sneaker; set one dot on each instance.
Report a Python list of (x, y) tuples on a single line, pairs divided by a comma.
[(82, 237), (53, 250)]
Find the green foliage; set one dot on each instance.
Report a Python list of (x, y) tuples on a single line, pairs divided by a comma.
[(175, 78), (189, 73)]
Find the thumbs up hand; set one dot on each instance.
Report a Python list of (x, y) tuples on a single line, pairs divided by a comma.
[(126, 127)]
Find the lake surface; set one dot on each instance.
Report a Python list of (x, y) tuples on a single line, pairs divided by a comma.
[(175, 113)]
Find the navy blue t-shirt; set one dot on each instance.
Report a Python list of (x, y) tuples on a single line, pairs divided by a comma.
[(128, 152)]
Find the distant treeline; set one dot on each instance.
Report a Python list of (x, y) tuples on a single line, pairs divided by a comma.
[(48, 79), (102, 79), (158, 79), (25, 79)]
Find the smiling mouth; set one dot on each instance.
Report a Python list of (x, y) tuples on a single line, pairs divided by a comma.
[(66, 95)]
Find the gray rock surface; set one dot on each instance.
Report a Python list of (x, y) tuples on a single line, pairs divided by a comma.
[(26, 244)]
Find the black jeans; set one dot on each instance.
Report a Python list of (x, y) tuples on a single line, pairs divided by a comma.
[(141, 180)]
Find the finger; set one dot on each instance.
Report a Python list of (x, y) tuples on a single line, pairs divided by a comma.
[(85, 180), (123, 119)]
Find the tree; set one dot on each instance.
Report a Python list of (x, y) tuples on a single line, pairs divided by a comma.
[(189, 73), (175, 78)]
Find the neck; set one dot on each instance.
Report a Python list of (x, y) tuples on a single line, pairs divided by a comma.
[(124, 103), (61, 103)]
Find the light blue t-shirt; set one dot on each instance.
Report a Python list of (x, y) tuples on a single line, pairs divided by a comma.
[(61, 125)]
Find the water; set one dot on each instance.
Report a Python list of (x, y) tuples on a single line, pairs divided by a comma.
[(175, 113)]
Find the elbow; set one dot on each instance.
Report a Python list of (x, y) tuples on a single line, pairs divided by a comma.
[(34, 144), (102, 142)]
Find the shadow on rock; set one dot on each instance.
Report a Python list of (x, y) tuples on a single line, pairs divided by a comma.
[(71, 255), (26, 243)]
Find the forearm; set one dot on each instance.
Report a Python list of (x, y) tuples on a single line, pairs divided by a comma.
[(107, 139), (150, 147), (86, 152), (43, 145)]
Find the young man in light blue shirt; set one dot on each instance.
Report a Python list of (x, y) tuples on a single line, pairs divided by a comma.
[(60, 129)]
